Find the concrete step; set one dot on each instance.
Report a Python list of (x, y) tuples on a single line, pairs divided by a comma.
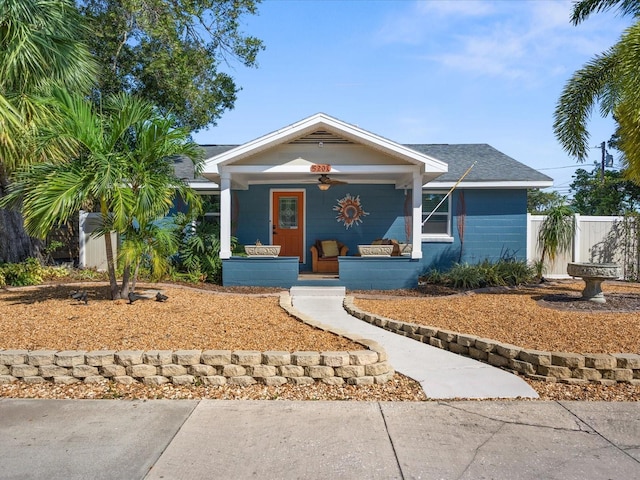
[(317, 291)]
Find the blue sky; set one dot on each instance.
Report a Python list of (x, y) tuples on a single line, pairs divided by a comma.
[(428, 71)]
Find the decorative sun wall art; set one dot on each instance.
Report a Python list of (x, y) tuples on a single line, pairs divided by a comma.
[(349, 210)]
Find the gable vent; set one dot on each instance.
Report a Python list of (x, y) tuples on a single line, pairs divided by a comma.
[(321, 136)]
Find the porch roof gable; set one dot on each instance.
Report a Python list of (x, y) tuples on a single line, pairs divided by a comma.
[(321, 128)]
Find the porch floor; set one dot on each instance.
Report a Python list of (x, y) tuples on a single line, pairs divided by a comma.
[(308, 279)]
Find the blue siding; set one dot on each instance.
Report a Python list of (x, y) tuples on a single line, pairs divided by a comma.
[(371, 273), (263, 272), (495, 226)]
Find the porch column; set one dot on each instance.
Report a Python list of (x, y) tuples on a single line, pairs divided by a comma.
[(225, 215), (416, 230)]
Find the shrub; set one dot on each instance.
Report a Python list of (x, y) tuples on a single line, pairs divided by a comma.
[(506, 271), (29, 272), (463, 275)]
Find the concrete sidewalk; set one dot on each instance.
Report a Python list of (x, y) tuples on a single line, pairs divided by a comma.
[(216, 439), (442, 374)]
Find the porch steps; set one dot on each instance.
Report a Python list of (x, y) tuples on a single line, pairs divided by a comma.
[(317, 291)]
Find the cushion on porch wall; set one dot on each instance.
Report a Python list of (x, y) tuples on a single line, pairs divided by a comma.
[(330, 248)]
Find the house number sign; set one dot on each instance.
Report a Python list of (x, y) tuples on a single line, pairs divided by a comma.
[(320, 168)]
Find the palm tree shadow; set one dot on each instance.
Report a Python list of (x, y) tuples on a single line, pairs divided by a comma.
[(42, 293)]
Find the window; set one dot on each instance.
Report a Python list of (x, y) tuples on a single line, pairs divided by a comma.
[(438, 225)]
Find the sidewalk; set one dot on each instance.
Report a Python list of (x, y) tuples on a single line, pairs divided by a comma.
[(216, 439), (442, 374)]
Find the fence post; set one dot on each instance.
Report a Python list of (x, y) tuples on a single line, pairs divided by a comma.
[(530, 241), (576, 255)]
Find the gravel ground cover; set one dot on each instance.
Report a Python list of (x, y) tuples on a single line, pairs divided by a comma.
[(250, 319)]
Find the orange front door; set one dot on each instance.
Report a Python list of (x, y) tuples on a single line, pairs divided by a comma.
[(288, 223)]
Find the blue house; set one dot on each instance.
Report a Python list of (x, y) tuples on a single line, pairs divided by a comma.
[(322, 182)]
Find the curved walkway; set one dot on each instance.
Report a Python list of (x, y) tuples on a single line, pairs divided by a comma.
[(442, 374)]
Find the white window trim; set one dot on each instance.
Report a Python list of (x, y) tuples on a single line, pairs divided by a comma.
[(438, 237)]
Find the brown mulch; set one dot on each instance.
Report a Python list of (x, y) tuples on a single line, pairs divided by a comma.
[(529, 316), (46, 317), (249, 318)]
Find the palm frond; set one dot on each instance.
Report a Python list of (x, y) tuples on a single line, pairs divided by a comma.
[(596, 80), (584, 8)]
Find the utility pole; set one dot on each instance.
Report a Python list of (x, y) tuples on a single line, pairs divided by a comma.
[(604, 156)]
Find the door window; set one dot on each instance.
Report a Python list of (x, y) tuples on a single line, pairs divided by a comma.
[(288, 212)]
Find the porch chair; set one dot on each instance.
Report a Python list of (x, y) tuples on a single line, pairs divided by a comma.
[(324, 255)]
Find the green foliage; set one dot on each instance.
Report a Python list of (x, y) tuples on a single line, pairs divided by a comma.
[(29, 272), (463, 275), (40, 47), (610, 80), (539, 202), (556, 232), (170, 52), (199, 250), (613, 195), (506, 271), (122, 163)]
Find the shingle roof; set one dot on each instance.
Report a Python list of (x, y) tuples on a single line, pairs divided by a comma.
[(492, 165), (184, 167)]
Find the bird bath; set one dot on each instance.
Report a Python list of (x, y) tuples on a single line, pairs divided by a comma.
[(593, 275)]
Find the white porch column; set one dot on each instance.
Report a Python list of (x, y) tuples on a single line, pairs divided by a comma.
[(416, 230), (225, 215)]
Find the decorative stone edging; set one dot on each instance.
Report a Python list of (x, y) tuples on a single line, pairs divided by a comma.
[(184, 367), (573, 368), (208, 367)]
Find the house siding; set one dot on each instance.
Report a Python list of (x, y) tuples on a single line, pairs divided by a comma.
[(495, 221), (495, 226)]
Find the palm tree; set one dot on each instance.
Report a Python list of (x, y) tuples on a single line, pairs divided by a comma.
[(124, 168), (611, 80), (555, 235), (40, 48)]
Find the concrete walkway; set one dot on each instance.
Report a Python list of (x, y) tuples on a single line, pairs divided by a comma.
[(217, 439), (442, 374)]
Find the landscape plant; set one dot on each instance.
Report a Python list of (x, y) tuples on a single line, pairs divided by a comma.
[(504, 272), (122, 165), (198, 254), (556, 235), (611, 80), (41, 49)]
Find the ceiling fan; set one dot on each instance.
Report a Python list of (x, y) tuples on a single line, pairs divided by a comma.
[(325, 182)]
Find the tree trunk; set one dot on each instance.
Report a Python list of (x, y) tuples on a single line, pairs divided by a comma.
[(15, 245), (126, 282)]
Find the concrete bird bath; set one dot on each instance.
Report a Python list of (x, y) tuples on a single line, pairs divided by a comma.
[(593, 275)]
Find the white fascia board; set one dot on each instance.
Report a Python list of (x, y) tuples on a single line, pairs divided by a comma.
[(493, 184), (313, 123), (204, 186)]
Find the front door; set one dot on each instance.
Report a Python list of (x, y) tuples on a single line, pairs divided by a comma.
[(287, 223)]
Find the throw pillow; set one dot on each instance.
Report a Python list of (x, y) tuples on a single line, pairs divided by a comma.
[(330, 248)]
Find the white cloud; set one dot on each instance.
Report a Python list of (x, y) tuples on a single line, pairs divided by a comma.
[(413, 24), (512, 40)]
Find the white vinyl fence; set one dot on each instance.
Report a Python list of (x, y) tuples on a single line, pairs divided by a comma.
[(597, 240), (93, 253)]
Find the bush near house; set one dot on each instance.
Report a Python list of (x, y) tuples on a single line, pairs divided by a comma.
[(505, 272)]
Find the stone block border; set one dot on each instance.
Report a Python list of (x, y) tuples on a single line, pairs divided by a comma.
[(183, 367), (572, 368), (204, 367)]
